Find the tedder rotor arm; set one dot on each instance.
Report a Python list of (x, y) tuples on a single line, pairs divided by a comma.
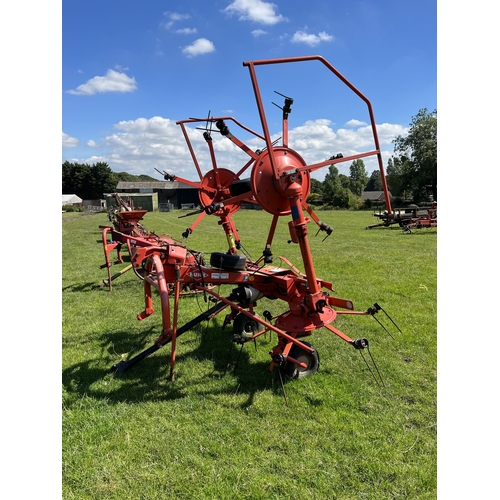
[(251, 67), (321, 225), (220, 191)]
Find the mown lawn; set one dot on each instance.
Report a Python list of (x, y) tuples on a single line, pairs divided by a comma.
[(224, 429)]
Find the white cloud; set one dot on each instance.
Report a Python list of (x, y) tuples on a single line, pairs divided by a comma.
[(92, 144), (69, 142), (316, 141), (139, 146), (388, 131), (198, 47), (171, 18), (310, 39), (112, 82), (355, 123), (187, 31), (257, 33), (178, 17), (94, 159), (255, 10)]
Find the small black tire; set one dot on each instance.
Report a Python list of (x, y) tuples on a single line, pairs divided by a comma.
[(228, 261), (245, 327), (311, 359)]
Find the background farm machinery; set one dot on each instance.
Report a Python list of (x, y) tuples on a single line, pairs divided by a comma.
[(279, 181), (408, 218)]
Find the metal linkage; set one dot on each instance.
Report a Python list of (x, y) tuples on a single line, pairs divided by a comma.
[(123, 366)]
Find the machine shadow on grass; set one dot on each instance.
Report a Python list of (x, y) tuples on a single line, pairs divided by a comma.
[(92, 286), (82, 287), (149, 379)]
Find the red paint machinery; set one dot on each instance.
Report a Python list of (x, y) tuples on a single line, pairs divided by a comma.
[(279, 181)]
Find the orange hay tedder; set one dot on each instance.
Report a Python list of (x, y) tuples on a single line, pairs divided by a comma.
[(278, 179)]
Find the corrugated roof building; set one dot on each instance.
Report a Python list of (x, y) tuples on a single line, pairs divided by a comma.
[(169, 192), (374, 195)]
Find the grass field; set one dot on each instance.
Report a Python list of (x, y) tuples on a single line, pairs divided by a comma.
[(223, 429)]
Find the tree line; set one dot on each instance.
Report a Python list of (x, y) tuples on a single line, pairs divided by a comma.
[(411, 173), (90, 182)]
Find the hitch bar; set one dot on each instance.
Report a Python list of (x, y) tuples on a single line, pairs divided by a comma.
[(123, 366)]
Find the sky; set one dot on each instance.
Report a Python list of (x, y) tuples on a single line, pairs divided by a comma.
[(131, 70)]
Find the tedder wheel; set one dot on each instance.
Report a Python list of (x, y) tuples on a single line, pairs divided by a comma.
[(311, 359), (245, 327)]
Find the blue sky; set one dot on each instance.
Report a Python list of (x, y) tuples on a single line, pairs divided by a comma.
[(130, 70)]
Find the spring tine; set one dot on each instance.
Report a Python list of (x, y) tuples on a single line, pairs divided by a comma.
[(376, 367), (283, 387), (238, 359), (391, 320), (228, 362), (389, 333), (368, 366)]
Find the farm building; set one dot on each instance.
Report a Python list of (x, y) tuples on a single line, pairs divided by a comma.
[(375, 195), (95, 205), (71, 199), (168, 193)]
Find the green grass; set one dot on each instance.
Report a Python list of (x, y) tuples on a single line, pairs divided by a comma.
[(222, 431)]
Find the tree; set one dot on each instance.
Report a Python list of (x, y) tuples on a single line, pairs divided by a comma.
[(125, 176), (417, 155), (316, 186), (394, 176), (331, 184), (74, 178), (345, 182), (316, 192), (358, 177), (375, 182), (102, 180), (89, 182), (333, 191)]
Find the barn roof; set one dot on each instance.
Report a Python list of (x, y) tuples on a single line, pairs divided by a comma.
[(152, 185), (71, 198), (374, 195)]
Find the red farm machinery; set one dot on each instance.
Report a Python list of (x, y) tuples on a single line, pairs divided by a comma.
[(411, 217), (278, 179)]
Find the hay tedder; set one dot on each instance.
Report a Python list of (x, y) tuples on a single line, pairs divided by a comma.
[(277, 178)]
